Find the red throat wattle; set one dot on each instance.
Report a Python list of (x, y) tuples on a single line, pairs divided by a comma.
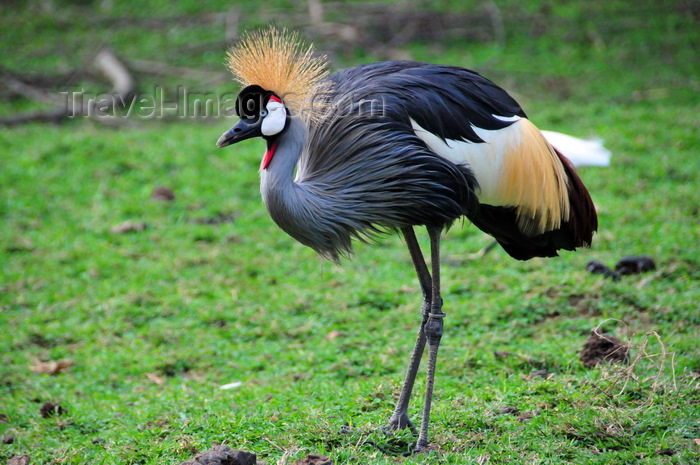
[(271, 147)]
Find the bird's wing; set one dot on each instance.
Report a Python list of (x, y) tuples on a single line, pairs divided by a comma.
[(446, 100), (449, 114), (466, 119), (444, 103), (380, 172)]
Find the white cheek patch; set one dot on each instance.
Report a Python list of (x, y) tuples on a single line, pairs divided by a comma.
[(275, 120)]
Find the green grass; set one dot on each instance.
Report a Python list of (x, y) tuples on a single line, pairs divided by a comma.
[(195, 306)]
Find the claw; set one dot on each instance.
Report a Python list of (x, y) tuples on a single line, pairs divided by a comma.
[(421, 448), (399, 422)]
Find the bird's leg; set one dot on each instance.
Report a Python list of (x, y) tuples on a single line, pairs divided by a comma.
[(399, 419), (433, 333)]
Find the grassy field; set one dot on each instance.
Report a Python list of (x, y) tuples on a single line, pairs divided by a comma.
[(210, 292)]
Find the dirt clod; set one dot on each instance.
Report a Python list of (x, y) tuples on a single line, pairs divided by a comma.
[(156, 424), (509, 410), (540, 374), (596, 267), (51, 367), (314, 459), (634, 265), (600, 347), (527, 416), (19, 460), (49, 409), (222, 455), (162, 194), (129, 227)]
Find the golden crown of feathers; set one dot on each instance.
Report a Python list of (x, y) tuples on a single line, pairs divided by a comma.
[(278, 61)]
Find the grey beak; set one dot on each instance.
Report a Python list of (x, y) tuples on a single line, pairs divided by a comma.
[(244, 129)]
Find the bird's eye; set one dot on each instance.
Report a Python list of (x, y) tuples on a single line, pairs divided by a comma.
[(263, 113), (250, 105)]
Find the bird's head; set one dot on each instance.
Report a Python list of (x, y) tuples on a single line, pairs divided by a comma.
[(281, 77), (261, 113)]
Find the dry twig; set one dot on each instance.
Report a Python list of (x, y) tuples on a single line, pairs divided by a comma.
[(644, 367)]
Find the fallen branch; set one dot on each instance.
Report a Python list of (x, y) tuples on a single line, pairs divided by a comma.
[(29, 91), (106, 62), (122, 82), (164, 69)]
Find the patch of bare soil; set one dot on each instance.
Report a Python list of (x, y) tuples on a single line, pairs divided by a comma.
[(162, 194), (50, 409), (222, 455), (601, 347), (314, 459), (129, 227), (19, 460)]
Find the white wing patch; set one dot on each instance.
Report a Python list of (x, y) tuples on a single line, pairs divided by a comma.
[(507, 118), (486, 159), (515, 167)]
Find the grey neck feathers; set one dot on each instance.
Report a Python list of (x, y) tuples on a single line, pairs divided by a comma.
[(277, 181), (300, 209)]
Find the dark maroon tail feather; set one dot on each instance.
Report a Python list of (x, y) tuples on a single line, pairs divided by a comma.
[(501, 223), (583, 220)]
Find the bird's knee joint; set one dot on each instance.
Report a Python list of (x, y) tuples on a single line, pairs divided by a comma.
[(433, 327)]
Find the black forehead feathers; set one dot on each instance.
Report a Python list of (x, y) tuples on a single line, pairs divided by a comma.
[(251, 100)]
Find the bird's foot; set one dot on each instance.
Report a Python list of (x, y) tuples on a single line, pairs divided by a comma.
[(399, 421), (421, 448)]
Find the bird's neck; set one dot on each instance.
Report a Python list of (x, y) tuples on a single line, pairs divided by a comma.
[(280, 193), (303, 208), (278, 176)]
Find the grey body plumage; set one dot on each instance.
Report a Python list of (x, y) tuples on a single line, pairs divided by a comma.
[(361, 171), (372, 184)]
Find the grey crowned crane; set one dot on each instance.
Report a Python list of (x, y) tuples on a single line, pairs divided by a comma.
[(393, 145)]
